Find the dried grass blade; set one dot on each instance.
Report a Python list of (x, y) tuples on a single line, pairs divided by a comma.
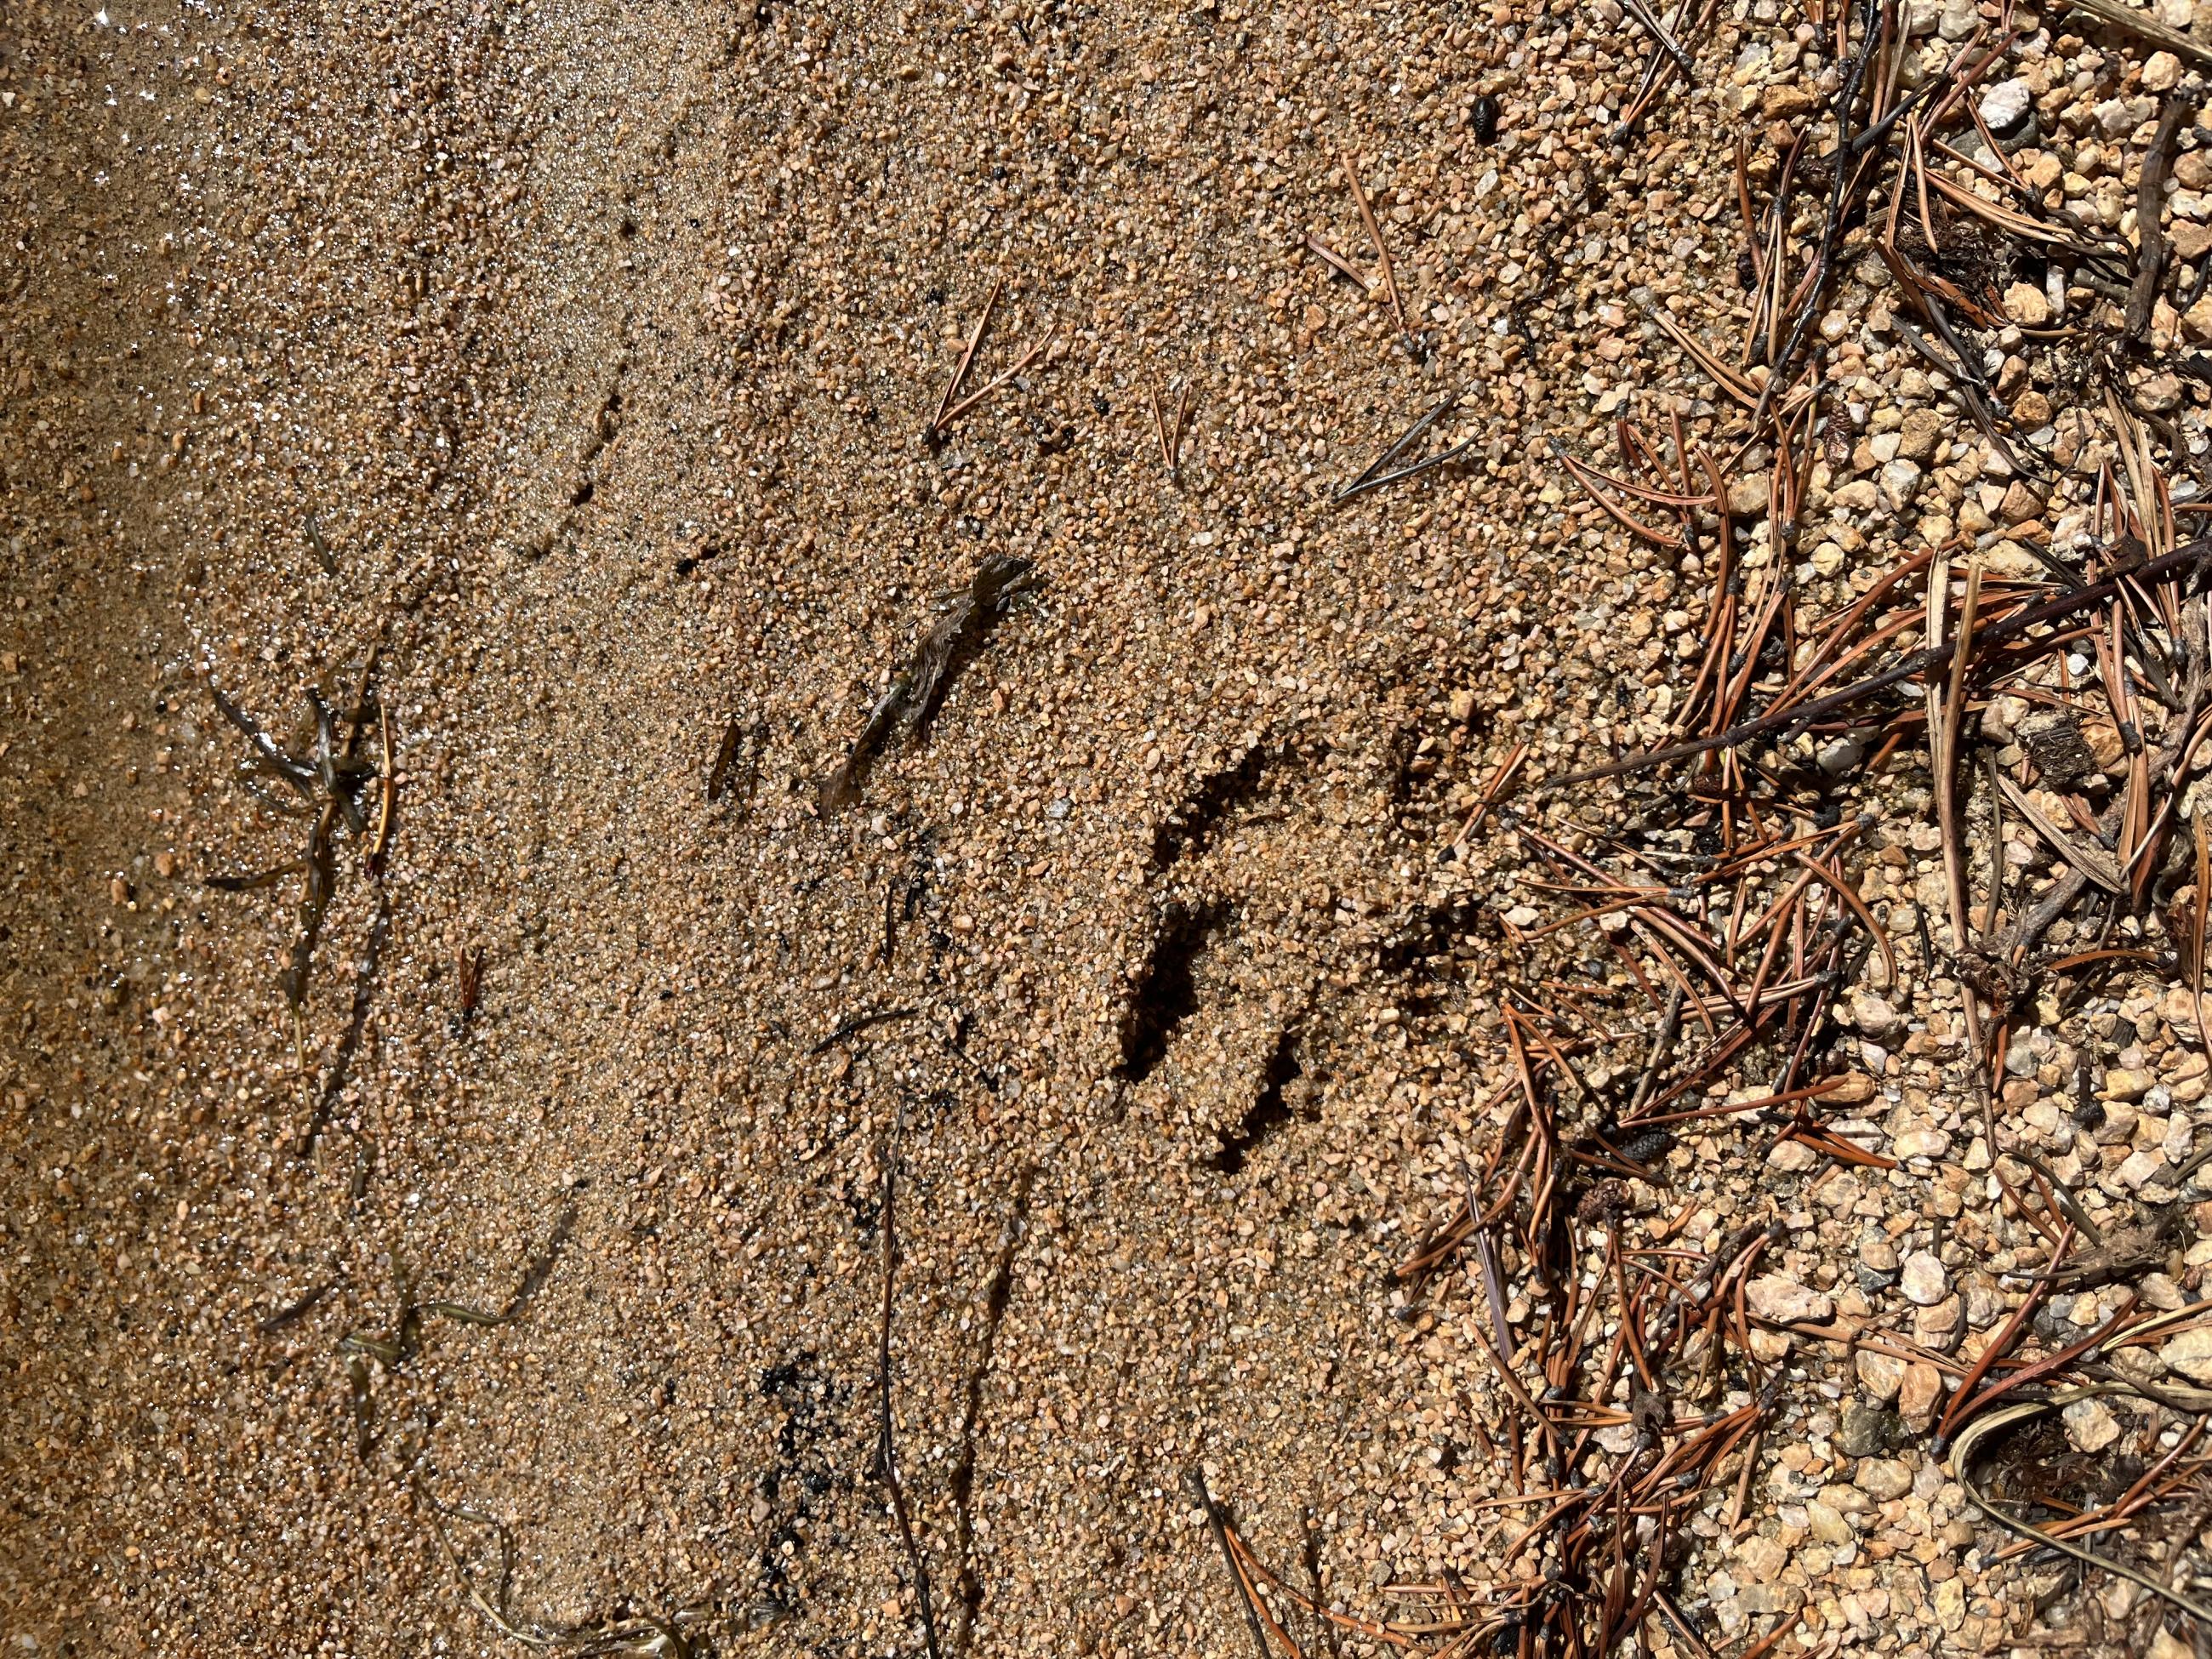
[(1962, 1472), (2091, 861)]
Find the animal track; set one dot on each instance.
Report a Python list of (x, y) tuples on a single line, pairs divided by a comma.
[(604, 425), (1166, 994), (1268, 1112), (1191, 826)]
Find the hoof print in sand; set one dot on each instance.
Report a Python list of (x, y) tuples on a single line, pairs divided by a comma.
[(1166, 993), (1268, 1112)]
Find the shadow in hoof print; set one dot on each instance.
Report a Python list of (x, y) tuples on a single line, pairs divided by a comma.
[(1219, 1025), (1269, 1111), (1166, 992)]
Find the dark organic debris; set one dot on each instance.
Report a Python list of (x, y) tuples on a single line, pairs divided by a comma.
[(469, 972), (330, 778), (323, 556), (671, 1635), (737, 759), (2053, 737), (407, 1337), (964, 620), (295, 1312)]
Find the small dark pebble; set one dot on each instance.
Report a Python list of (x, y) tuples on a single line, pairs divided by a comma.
[(1867, 1431)]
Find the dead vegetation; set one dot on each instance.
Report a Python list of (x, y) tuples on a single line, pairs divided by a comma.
[(910, 701), (2061, 704)]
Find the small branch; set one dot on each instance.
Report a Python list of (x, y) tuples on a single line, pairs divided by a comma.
[(2150, 208)]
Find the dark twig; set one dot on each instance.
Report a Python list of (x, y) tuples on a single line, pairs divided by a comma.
[(854, 1023), (1196, 1480), (965, 618), (292, 1313), (2150, 209), (1313, 1578), (886, 1446)]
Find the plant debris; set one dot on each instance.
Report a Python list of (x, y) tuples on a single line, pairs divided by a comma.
[(965, 617)]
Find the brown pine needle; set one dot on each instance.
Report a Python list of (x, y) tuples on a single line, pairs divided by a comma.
[(1659, 33), (1945, 721), (2015, 625), (2197, 928), (1160, 427), (1375, 236), (1635, 527), (960, 373), (1343, 266), (1491, 791), (991, 385)]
